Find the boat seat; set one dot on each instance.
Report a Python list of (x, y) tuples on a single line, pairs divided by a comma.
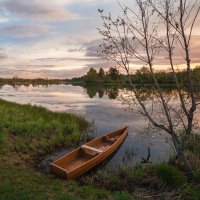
[(91, 148), (111, 139)]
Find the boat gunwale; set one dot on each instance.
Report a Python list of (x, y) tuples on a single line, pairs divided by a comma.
[(95, 157)]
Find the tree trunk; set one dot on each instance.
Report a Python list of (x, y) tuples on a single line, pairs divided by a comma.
[(181, 155)]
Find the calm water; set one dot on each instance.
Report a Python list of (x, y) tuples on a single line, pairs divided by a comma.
[(101, 106)]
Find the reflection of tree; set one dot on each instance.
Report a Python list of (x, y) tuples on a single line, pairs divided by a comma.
[(113, 93), (101, 93), (146, 93), (91, 91)]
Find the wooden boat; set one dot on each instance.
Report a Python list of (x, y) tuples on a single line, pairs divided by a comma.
[(87, 156)]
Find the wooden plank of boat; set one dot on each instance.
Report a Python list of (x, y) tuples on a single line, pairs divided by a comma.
[(84, 158)]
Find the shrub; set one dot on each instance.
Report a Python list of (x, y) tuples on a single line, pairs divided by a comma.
[(170, 175)]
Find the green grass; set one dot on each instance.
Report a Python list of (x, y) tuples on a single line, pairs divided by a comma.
[(19, 184), (123, 195), (170, 175), (191, 192), (35, 130), (89, 192), (27, 131), (122, 178)]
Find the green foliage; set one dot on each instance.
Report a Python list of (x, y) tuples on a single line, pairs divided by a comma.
[(170, 175), (123, 195)]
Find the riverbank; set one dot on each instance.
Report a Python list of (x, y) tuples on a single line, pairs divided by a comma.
[(34, 131), (28, 132)]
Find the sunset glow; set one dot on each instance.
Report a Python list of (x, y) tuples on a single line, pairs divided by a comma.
[(58, 38)]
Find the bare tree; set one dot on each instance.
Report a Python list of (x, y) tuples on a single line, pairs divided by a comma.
[(156, 29)]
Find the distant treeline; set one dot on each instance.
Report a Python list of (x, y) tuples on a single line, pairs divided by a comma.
[(142, 76), (38, 81)]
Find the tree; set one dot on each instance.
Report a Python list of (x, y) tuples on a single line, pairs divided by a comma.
[(91, 75), (153, 29), (113, 73), (101, 74), (143, 75)]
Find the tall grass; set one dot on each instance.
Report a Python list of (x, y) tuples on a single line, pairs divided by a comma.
[(26, 128)]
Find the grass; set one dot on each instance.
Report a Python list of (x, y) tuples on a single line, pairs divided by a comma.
[(155, 181), (192, 192), (90, 192), (122, 195), (20, 184), (35, 130), (170, 175), (122, 178), (28, 131)]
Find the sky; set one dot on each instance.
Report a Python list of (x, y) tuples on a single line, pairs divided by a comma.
[(55, 38)]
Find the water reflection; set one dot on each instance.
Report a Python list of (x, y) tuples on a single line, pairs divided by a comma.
[(101, 105), (97, 90)]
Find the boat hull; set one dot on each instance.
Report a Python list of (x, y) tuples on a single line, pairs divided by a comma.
[(90, 163)]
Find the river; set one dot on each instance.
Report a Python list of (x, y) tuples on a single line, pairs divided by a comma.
[(102, 106)]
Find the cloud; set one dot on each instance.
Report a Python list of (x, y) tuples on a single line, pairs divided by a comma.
[(27, 31), (3, 55), (92, 48), (3, 19), (37, 9), (179, 54), (68, 59), (80, 49)]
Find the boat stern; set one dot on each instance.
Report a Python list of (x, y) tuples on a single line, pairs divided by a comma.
[(59, 170)]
